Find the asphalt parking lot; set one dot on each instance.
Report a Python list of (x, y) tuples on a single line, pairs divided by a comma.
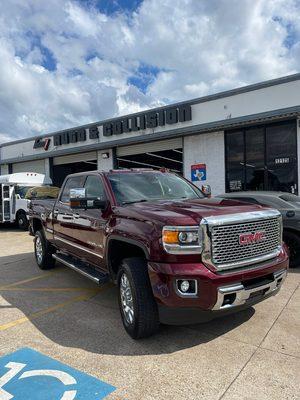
[(252, 355)]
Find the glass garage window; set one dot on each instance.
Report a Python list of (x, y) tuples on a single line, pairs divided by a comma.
[(235, 174), (262, 158)]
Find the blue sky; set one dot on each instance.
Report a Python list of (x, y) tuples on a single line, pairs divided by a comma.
[(70, 62), (112, 6)]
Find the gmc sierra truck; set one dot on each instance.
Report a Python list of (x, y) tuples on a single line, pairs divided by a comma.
[(176, 256)]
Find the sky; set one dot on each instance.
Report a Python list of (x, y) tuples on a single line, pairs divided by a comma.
[(65, 63)]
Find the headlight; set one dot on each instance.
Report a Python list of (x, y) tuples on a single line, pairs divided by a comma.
[(182, 239)]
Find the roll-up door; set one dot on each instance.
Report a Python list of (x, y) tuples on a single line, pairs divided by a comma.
[(30, 166), (71, 164), (74, 158), (156, 155), (175, 143)]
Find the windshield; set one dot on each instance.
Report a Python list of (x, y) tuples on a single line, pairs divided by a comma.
[(291, 198), (42, 192), (134, 187), (37, 192), (22, 191)]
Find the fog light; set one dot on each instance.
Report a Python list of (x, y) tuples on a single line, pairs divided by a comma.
[(184, 286)]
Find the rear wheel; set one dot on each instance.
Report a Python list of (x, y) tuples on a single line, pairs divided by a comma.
[(43, 251), (292, 240), (137, 304), (22, 220)]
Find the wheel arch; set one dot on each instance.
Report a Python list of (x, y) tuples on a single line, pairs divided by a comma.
[(291, 230), (118, 248), (36, 225)]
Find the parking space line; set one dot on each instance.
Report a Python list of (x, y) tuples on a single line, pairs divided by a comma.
[(51, 309), (17, 289), (28, 280)]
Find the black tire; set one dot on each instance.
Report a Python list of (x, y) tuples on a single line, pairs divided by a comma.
[(43, 251), (145, 321), (22, 220), (292, 240)]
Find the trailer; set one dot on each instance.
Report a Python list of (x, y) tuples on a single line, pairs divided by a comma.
[(13, 200)]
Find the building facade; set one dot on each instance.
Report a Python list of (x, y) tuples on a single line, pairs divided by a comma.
[(242, 139)]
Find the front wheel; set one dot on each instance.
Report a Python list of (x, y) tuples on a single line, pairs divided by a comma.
[(22, 221), (137, 304), (43, 251)]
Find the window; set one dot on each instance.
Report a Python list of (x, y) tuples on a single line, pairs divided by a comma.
[(235, 161), (22, 191), (134, 187), (94, 187), (74, 182), (262, 158)]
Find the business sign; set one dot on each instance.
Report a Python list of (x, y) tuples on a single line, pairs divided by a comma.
[(198, 172), (29, 374), (41, 143), (150, 119)]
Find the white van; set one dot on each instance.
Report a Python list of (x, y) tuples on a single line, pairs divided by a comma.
[(13, 201)]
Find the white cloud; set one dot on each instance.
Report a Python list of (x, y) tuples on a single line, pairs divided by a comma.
[(63, 64)]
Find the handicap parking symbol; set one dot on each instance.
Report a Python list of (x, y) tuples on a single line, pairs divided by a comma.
[(29, 375)]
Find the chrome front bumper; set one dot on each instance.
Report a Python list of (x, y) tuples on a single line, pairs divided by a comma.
[(237, 294)]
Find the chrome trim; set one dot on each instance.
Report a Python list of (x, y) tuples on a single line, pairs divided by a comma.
[(77, 246), (182, 249), (72, 266), (241, 217), (243, 294), (207, 224), (254, 260), (182, 294)]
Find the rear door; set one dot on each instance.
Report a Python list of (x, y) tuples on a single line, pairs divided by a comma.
[(89, 225), (63, 219), (6, 205)]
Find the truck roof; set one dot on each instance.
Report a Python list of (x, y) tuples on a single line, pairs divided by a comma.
[(26, 178), (118, 171)]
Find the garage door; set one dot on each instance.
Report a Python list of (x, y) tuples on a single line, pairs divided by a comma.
[(156, 155), (74, 158), (30, 166), (73, 163)]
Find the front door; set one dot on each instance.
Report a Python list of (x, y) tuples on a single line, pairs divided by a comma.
[(89, 224), (5, 213)]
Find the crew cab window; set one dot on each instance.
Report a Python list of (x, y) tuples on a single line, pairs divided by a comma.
[(74, 182), (94, 187)]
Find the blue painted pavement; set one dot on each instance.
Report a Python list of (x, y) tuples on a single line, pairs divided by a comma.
[(29, 375)]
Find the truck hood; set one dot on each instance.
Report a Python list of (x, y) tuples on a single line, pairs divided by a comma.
[(185, 212)]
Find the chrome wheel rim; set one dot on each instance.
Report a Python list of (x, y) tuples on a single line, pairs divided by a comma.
[(39, 249), (126, 299)]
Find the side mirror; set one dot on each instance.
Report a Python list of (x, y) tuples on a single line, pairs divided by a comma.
[(206, 190), (78, 200)]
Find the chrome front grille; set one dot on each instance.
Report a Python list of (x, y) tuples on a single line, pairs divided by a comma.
[(225, 251)]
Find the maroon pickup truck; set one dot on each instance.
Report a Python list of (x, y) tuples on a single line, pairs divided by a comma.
[(176, 256)]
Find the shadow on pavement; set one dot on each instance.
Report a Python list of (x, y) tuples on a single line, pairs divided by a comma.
[(93, 325)]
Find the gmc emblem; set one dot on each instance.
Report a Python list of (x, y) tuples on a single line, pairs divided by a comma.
[(249, 238)]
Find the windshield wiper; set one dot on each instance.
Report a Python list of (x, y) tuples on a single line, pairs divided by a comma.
[(134, 201)]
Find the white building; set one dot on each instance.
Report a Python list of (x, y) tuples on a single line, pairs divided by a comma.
[(246, 138)]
